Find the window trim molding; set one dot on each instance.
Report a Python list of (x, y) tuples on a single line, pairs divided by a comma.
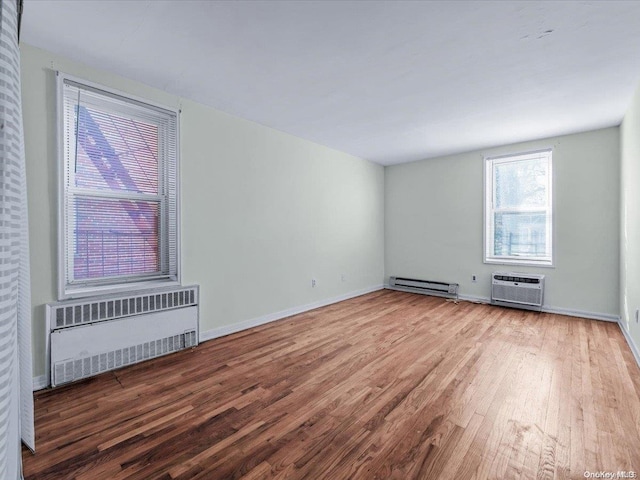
[(517, 261), (64, 292)]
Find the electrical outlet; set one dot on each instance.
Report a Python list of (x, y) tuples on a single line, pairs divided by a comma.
[(474, 278), (313, 282), (637, 314)]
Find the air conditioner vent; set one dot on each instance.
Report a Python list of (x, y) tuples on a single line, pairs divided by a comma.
[(517, 290)]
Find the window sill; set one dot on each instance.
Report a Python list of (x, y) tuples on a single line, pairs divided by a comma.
[(523, 262), (94, 291)]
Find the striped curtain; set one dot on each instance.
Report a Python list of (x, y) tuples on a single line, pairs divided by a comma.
[(16, 384)]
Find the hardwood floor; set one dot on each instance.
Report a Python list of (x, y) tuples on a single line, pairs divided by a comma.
[(387, 385)]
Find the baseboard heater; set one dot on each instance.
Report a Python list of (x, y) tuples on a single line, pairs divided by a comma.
[(517, 290), (426, 287), (91, 336)]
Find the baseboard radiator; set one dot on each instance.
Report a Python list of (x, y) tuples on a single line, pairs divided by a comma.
[(91, 336), (426, 287), (517, 290)]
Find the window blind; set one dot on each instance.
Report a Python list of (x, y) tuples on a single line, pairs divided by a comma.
[(120, 211)]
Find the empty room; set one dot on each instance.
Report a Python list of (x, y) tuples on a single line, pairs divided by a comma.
[(319, 239)]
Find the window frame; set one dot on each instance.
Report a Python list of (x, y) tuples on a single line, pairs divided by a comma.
[(67, 290), (489, 211)]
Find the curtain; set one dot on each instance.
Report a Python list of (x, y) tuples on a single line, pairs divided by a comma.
[(16, 384)]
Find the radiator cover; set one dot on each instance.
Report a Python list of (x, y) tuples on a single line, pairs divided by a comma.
[(100, 334)]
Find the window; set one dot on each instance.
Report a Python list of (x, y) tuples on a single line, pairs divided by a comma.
[(518, 209), (118, 211)]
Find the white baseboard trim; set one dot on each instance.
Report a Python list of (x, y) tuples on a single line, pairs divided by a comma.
[(474, 299), (632, 346), (606, 317), (40, 382), (272, 317)]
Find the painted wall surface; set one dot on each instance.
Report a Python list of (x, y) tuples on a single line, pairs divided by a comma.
[(630, 220), (262, 212), (434, 222)]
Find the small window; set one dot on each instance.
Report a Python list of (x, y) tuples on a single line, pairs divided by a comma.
[(119, 205), (518, 209)]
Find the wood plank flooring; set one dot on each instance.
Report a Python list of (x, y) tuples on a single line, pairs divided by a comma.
[(388, 385)]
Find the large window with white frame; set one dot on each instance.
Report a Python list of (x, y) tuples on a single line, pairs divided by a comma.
[(519, 209), (119, 200)]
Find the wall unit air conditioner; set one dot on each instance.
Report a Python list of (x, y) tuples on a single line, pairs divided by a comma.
[(91, 336), (426, 287), (517, 290)]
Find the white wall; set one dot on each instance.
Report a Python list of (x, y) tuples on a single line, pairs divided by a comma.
[(434, 222), (262, 211), (630, 221)]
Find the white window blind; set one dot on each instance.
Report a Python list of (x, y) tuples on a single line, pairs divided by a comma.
[(518, 209), (119, 208)]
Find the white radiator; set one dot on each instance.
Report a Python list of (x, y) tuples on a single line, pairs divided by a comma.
[(517, 290), (91, 336), (426, 287)]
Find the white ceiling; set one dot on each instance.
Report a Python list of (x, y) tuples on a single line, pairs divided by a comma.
[(389, 81)]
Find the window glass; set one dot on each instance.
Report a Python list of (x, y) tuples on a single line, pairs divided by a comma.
[(518, 209), (119, 198)]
